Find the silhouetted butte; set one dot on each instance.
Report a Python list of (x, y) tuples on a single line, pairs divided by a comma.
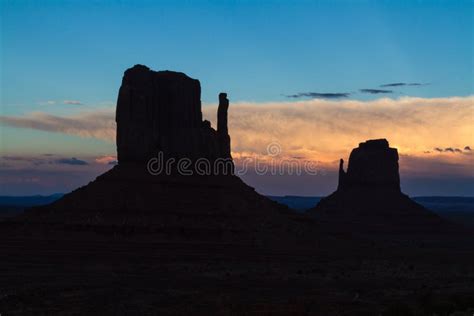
[(369, 193), (160, 112)]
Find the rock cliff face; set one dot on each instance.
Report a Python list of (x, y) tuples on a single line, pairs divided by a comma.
[(160, 111), (369, 192)]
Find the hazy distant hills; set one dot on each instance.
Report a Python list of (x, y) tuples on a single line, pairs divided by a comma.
[(456, 209), (447, 203), (12, 205), (298, 203)]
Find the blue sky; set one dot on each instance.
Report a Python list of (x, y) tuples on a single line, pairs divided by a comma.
[(257, 51), (66, 58)]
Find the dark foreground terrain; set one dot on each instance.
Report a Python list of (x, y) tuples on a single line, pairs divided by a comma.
[(456, 209), (57, 269), (79, 270)]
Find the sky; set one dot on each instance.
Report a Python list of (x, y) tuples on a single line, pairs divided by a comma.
[(315, 77)]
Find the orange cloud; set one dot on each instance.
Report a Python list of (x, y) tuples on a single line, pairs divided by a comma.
[(319, 130), (325, 130), (98, 124), (105, 160)]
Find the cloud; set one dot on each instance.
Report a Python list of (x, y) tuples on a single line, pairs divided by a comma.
[(52, 102), (105, 159), (402, 84), (326, 130), (98, 124), (375, 91), (453, 150), (73, 102), (49, 102), (71, 161), (13, 158), (52, 163), (318, 129), (316, 95), (35, 161), (434, 166), (31, 181)]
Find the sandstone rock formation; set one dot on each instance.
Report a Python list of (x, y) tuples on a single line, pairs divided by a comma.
[(369, 192), (160, 111), (372, 165), (222, 130)]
